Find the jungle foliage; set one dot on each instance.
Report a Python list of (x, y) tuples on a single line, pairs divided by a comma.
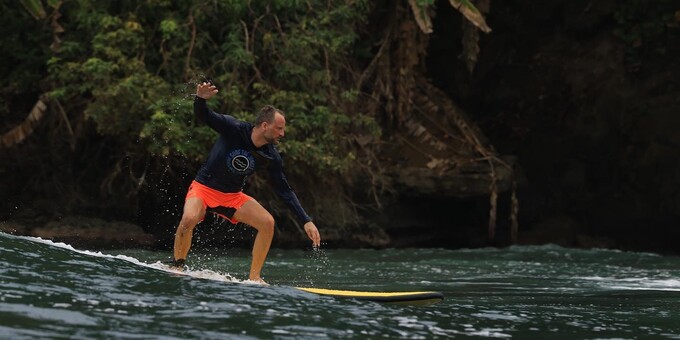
[(135, 56), (121, 77)]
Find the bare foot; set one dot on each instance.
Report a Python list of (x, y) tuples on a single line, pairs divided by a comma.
[(177, 265), (258, 280)]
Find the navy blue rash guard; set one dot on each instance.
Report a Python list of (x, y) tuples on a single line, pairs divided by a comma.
[(234, 157)]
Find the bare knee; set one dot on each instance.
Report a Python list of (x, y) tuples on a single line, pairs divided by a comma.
[(188, 223), (267, 226)]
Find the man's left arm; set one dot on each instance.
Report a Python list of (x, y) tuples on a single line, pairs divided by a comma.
[(286, 193)]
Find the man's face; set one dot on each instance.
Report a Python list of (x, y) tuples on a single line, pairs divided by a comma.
[(274, 131)]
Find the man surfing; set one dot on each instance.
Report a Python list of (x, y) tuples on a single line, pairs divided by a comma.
[(241, 149)]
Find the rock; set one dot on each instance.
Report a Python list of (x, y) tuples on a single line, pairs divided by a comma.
[(587, 241), (560, 230), (472, 181), (375, 238), (369, 236), (95, 233), (14, 228)]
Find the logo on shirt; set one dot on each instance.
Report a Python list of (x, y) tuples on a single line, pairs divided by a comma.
[(241, 162)]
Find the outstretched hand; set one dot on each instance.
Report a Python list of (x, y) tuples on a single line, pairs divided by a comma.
[(206, 90), (313, 234)]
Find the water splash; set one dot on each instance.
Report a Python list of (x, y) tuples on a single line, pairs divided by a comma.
[(320, 257)]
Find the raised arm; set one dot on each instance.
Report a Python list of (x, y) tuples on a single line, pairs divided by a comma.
[(218, 122), (204, 91)]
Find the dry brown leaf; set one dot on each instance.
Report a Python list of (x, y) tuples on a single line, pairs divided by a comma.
[(470, 46), (435, 162), (421, 16), (23, 130), (471, 13)]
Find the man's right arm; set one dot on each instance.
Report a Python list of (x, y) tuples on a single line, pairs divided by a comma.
[(201, 110), (218, 122)]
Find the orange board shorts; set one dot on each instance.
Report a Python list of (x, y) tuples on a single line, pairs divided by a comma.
[(223, 204)]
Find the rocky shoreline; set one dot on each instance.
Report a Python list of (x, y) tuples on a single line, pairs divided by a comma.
[(80, 231), (96, 233)]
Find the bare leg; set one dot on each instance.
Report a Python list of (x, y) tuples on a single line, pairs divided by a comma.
[(253, 214), (193, 213)]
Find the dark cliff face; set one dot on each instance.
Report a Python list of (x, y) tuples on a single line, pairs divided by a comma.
[(586, 95)]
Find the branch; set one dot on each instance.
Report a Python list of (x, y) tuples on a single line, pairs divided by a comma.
[(25, 129), (191, 44), (68, 124)]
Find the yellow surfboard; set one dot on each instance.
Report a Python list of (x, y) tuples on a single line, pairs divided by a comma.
[(402, 298)]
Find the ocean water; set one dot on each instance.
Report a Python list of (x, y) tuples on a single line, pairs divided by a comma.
[(51, 290)]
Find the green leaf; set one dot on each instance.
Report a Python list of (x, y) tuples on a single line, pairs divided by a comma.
[(35, 8), (54, 3)]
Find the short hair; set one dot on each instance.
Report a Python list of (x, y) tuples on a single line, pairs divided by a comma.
[(267, 114)]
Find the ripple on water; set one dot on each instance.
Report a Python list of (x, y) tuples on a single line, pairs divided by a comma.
[(532, 292)]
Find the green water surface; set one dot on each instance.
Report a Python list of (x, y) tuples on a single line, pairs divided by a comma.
[(50, 290)]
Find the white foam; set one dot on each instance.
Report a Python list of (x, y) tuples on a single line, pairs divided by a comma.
[(635, 283), (202, 274), (61, 305)]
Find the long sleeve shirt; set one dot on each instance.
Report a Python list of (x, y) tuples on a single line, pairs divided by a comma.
[(234, 157)]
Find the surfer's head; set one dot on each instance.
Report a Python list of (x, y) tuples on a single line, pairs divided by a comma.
[(271, 123)]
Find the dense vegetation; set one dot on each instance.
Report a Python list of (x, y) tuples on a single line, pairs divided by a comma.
[(120, 76), (95, 100)]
